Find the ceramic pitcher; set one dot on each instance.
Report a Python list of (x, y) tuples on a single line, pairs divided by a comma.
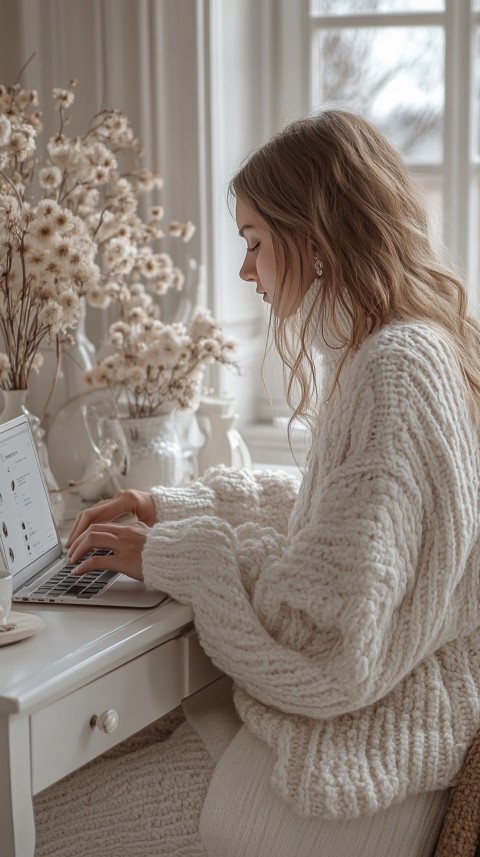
[(223, 443)]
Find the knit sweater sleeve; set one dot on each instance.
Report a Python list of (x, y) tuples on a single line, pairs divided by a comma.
[(371, 578), (234, 494)]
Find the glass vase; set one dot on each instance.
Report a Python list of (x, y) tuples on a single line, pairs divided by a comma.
[(75, 360), (11, 404), (155, 453)]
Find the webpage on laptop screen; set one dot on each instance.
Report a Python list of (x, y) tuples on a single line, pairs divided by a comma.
[(27, 530)]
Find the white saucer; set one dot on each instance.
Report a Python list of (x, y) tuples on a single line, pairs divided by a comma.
[(26, 625)]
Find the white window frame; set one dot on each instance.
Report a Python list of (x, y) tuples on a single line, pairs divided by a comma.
[(457, 170), (458, 164)]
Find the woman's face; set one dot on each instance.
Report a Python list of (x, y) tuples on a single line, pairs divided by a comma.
[(260, 266)]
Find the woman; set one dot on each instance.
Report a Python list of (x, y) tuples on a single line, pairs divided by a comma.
[(347, 616)]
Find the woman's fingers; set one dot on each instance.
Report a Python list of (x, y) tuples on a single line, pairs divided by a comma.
[(97, 536), (129, 502), (125, 541), (105, 510), (99, 563)]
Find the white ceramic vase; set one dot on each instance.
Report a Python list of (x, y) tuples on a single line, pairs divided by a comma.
[(223, 444), (155, 453)]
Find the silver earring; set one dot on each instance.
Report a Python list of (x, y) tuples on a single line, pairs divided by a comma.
[(318, 266)]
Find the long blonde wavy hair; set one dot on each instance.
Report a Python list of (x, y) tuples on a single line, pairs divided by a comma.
[(333, 182)]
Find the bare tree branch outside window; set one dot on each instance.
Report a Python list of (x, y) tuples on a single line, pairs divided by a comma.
[(392, 75)]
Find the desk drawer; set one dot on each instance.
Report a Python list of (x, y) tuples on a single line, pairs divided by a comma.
[(140, 691)]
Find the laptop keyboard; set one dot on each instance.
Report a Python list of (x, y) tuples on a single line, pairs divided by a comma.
[(64, 582)]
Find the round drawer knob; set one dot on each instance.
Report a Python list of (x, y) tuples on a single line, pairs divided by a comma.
[(106, 722)]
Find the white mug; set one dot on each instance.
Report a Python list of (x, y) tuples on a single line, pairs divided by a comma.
[(5, 595)]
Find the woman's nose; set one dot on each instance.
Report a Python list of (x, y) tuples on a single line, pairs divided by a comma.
[(248, 271)]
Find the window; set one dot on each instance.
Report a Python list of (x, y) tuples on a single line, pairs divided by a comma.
[(413, 68)]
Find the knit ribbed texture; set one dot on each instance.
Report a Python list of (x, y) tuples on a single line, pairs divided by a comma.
[(142, 799), (352, 638), (258, 495)]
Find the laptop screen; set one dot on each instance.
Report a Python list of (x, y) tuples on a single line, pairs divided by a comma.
[(27, 527)]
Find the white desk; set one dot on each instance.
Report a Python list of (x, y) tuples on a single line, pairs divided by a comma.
[(87, 661)]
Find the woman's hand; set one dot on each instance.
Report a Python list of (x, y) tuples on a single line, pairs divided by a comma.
[(125, 540), (130, 502)]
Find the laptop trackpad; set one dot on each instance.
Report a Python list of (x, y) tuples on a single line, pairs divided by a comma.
[(123, 591)]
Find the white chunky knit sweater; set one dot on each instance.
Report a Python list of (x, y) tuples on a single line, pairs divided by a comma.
[(348, 616)]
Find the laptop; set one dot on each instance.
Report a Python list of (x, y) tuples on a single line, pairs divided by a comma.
[(30, 542)]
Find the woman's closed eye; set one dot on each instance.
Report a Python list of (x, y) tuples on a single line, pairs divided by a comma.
[(255, 247)]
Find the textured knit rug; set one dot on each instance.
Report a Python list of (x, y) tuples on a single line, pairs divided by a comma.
[(141, 799)]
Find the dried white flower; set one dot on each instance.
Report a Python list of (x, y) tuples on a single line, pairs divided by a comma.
[(116, 340), (166, 277), (22, 142), (100, 175), (70, 301), (203, 325), (98, 297), (46, 291), (120, 255), (210, 350), (63, 98), (49, 177), (182, 230), (120, 327), (97, 377), (156, 212), (66, 223), (35, 120), (41, 234), (51, 315), (27, 98), (160, 287), (46, 209), (165, 260), (148, 179), (135, 315), (178, 279), (188, 231), (61, 152), (228, 350)]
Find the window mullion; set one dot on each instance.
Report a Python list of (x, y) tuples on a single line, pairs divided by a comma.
[(457, 131), (378, 19)]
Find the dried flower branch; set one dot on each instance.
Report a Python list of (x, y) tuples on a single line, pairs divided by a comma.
[(85, 236), (153, 367)]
